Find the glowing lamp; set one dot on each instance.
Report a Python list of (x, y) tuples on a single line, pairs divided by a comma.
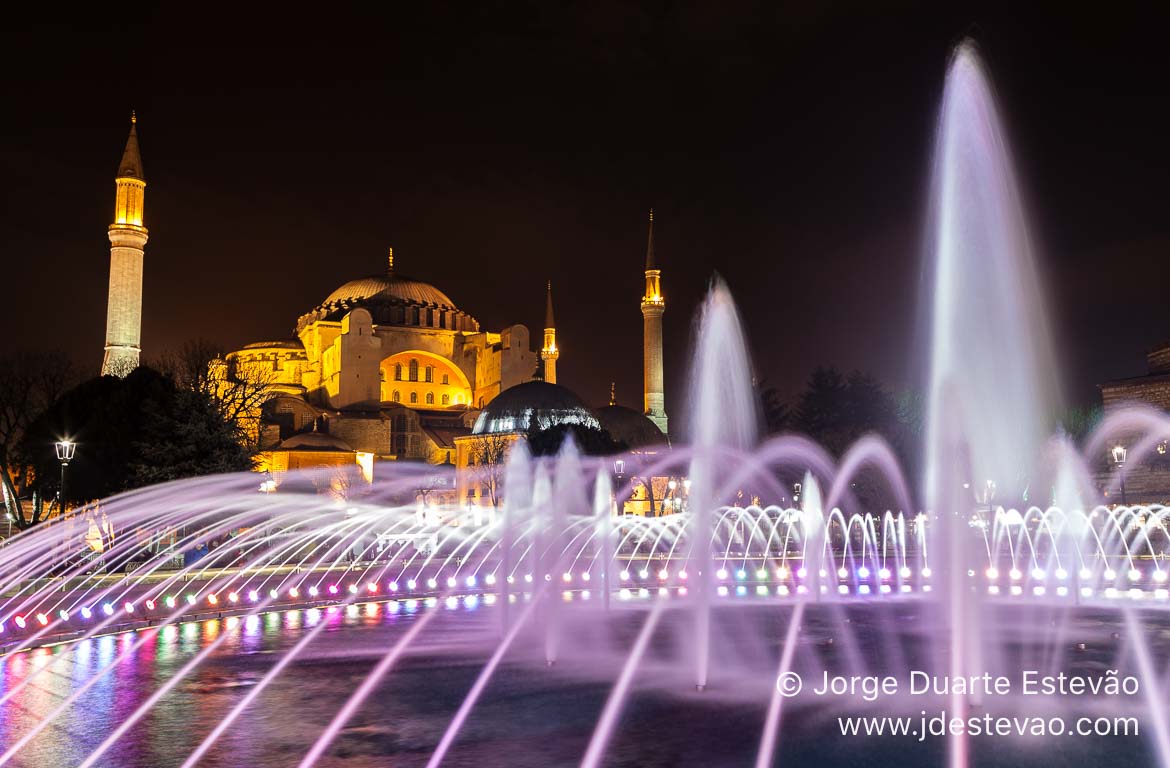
[(150, 605), (86, 613), (108, 609), (19, 620), (42, 619)]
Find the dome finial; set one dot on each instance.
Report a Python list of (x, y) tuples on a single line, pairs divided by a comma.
[(390, 261), (612, 393)]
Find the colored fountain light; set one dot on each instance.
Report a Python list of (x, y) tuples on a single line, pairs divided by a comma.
[(86, 612)]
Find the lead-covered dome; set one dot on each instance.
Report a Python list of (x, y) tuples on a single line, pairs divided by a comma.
[(533, 406), (625, 425), (392, 299)]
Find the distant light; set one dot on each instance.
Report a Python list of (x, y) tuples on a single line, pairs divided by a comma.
[(108, 609), (19, 620), (884, 573), (566, 577), (721, 573), (86, 612), (863, 572), (1061, 574), (1086, 573), (642, 574), (372, 587), (129, 607), (64, 614), (842, 573), (585, 576), (451, 582), (43, 619), (1110, 574), (170, 603), (1016, 574), (762, 574), (1038, 573), (410, 584), (682, 575), (469, 581), (393, 586), (233, 597), (1134, 574), (992, 573), (253, 595), (490, 579), (741, 574), (926, 572), (664, 574), (432, 583), (312, 591), (212, 599), (904, 572), (294, 592)]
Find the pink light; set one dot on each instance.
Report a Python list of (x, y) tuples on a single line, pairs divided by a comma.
[(233, 597), (372, 587), (150, 605), (333, 589), (19, 621), (43, 619), (212, 599)]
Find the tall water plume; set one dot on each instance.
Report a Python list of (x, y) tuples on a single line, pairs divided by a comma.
[(724, 412)]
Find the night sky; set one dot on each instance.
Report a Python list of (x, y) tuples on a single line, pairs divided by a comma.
[(785, 146)]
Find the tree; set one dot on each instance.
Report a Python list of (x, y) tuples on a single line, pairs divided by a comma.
[(29, 382), (486, 459), (777, 415), (131, 432), (835, 411), (237, 391)]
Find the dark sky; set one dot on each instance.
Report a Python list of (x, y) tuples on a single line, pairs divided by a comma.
[(785, 146)]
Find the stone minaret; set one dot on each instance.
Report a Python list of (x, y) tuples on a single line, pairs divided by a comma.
[(549, 352), (653, 306), (127, 239)]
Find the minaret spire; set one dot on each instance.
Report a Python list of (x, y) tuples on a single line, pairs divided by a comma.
[(653, 307), (390, 262), (613, 393), (128, 238), (549, 353)]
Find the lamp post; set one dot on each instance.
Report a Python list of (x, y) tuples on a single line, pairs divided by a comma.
[(65, 451), (1118, 454)]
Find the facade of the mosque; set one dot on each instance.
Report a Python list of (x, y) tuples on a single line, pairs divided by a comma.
[(389, 368)]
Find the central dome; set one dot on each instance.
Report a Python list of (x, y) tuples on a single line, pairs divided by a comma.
[(389, 286), (392, 299)]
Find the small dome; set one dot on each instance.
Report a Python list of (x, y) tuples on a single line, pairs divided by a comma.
[(625, 425), (315, 441), (533, 406)]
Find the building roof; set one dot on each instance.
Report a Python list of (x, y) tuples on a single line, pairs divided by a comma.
[(625, 425), (314, 441), (283, 344), (533, 406), (131, 165)]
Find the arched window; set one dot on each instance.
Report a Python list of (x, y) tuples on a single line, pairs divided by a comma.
[(430, 398), (397, 396), (413, 397), (414, 370), (398, 371), (446, 399), (430, 373), (446, 379)]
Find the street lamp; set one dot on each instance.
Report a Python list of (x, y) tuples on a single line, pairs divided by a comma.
[(619, 471), (1118, 453), (65, 451)]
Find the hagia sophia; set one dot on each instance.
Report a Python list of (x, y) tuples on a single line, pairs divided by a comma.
[(389, 368)]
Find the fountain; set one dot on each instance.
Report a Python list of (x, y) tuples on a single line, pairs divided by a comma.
[(556, 630)]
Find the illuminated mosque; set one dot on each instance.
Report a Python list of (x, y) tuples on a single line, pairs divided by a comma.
[(387, 367)]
